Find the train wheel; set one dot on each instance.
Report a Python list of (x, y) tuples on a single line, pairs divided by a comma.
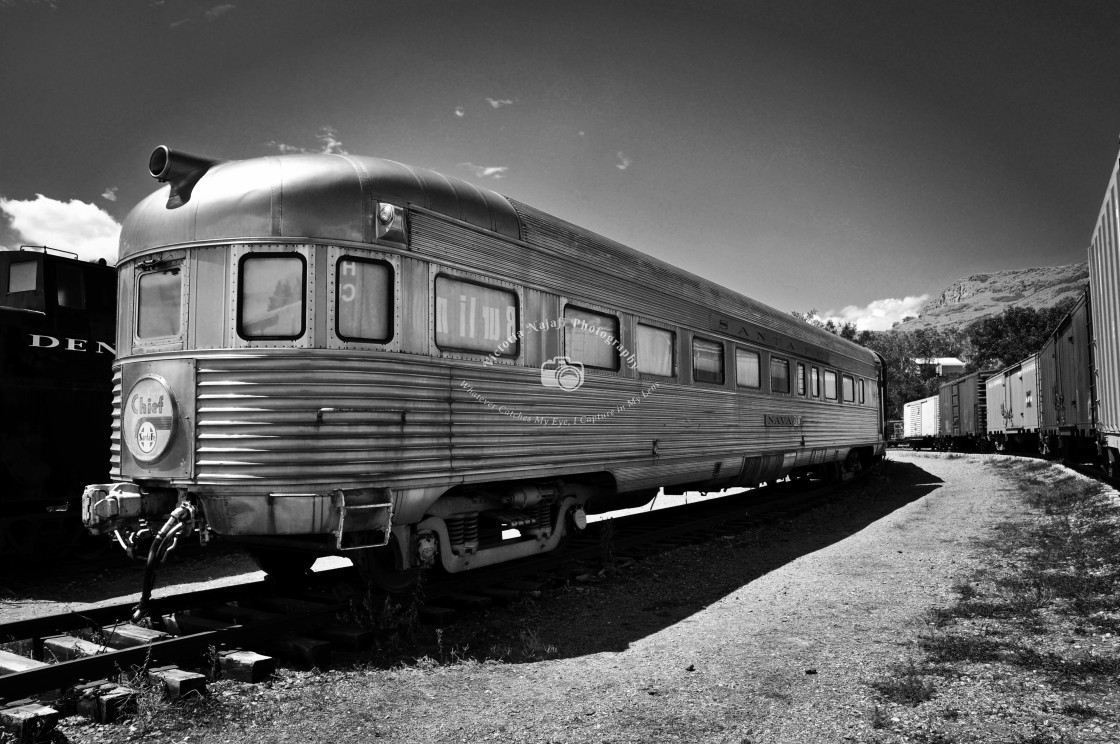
[(1111, 464), (282, 565), (378, 566)]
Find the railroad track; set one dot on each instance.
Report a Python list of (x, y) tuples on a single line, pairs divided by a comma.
[(239, 631)]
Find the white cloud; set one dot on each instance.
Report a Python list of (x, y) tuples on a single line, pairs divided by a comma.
[(494, 103), (217, 12), (486, 171), (623, 161), (879, 315), (110, 194), (460, 111), (74, 226), (328, 136), (332, 145)]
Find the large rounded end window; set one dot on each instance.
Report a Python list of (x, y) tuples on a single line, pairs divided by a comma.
[(149, 419)]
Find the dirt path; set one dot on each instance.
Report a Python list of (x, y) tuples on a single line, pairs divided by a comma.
[(777, 657)]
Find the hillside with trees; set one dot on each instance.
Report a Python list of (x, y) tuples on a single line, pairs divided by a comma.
[(992, 342)]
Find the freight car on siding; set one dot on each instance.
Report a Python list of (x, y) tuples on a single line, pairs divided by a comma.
[(1013, 407), (1065, 377), (1104, 307), (57, 320), (337, 354), (921, 422), (963, 404)]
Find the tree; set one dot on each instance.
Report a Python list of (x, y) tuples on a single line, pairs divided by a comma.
[(843, 330), (1013, 335)]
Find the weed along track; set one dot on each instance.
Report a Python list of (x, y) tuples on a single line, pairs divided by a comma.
[(240, 632)]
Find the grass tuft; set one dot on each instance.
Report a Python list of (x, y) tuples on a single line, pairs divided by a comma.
[(905, 685)]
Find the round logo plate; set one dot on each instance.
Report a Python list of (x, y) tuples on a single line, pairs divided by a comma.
[(149, 419)]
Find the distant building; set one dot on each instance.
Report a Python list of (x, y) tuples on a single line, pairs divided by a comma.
[(940, 366)]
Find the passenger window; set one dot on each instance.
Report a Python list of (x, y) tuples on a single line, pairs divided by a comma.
[(364, 300), (71, 292), (748, 371), (861, 390), (829, 384), (800, 378), (272, 291), (849, 386), (23, 276), (655, 350), (591, 338), (779, 375), (159, 304), (476, 317), (815, 382), (707, 361)]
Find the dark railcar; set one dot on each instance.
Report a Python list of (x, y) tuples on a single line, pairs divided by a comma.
[(964, 404), (57, 322)]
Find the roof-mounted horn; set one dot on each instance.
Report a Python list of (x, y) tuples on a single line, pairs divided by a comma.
[(179, 169)]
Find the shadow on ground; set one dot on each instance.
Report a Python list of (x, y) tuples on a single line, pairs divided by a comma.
[(627, 601)]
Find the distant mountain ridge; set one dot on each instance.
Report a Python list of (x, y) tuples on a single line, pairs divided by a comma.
[(983, 295)]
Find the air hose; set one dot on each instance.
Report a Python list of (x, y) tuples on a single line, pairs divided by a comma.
[(176, 526)]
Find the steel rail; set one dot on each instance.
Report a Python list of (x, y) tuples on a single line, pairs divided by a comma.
[(65, 673)]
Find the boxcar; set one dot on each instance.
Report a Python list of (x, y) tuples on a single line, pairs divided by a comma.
[(341, 354), (895, 431), (57, 318), (963, 406), (921, 422), (1012, 406), (1104, 306), (1065, 410)]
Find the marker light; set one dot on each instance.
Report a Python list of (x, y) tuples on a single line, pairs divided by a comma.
[(386, 213)]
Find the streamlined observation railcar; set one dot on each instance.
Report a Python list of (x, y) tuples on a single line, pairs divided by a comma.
[(338, 354)]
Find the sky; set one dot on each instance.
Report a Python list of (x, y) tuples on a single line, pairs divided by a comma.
[(849, 157)]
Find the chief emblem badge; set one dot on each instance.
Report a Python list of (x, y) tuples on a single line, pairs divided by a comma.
[(149, 418)]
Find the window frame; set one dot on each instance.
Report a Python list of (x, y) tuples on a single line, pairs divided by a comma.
[(303, 299), (673, 350), (337, 254), (722, 358), (802, 386), (26, 300), (159, 262), (861, 390), (483, 280), (749, 350), (851, 384), (77, 272), (567, 304), (308, 253), (789, 379), (815, 382), (835, 392)]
